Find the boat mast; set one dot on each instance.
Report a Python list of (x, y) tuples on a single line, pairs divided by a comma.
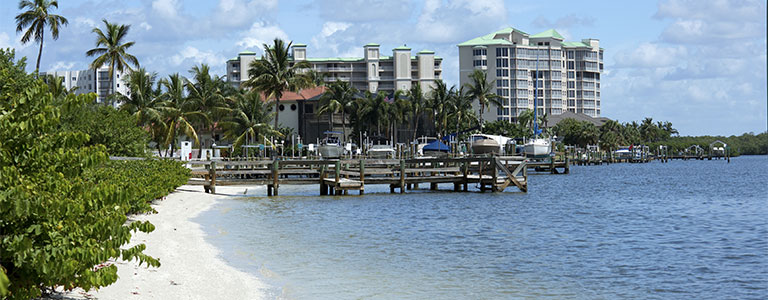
[(535, 97)]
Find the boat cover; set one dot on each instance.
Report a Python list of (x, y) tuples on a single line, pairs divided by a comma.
[(436, 146)]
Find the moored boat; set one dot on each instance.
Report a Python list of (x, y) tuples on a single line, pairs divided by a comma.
[(330, 146), (483, 144), (381, 151), (537, 148)]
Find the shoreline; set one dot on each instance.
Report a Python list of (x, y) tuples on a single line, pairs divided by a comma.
[(191, 268)]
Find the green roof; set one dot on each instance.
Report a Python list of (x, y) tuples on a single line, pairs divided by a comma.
[(510, 30), (372, 45), (234, 59), (299, 45), (247, 53), (488, 39), (402, 48), (548, 34), (426, 52), (574, 44)]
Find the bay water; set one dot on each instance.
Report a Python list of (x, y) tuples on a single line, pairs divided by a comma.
[(678, 230)]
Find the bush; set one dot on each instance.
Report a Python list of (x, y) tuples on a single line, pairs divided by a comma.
[(114, 129), (62, 205), (147, 179)]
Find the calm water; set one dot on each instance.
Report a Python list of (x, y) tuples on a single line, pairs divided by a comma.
[(682, 230)]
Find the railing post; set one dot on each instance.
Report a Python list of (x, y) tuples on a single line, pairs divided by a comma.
[(336, 191)]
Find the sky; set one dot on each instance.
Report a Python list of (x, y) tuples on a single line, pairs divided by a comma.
[(700, 64)]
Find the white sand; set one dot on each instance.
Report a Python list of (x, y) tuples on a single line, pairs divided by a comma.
[(190, 267)]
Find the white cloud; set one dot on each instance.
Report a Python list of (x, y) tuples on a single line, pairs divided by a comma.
[(145, 25), (363, 10), (650, 55), (5, 41), (167, 8), (87, 22), (448, 22), (261, 33), (196, 56), (237, 13), (63, 66)]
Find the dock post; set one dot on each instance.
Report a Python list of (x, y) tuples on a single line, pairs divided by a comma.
[(337, 178), (465, 170), (567, 166), (495, 174), (212, 173), (552, 165), (275, 176), (362, 176), (402, 176), (323, 186)]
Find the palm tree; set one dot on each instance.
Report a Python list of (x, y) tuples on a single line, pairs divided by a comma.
[(56, 86), (206, 93), (35, 19), (437, 102), (276, 73), (249, 119), (418, 105), (143, 102), (338, 98), (400, 110), (460, 109), (111, 50), (525, 119), (482, 90), (178, 110)]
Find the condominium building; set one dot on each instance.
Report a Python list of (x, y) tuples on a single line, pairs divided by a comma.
[(373, 72), (568, 77), (92, 81)]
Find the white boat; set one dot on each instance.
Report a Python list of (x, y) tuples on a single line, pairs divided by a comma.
[(381, 151), (537, 148), (330, 146)]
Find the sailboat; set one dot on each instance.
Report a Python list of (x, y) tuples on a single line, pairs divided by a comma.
[(536, 147)]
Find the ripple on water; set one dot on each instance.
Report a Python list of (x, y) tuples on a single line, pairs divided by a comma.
[(682, 230)]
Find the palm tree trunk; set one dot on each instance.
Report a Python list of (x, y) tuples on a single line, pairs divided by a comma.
[(39, 54), (416, 126), (277, 109), (343, 127)]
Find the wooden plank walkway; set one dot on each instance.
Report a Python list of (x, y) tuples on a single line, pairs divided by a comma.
[(337, 177)]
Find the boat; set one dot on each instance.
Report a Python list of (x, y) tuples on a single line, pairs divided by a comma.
[(537, 147), (436, 149), (381, 151), (423, 142), (330, 146), (484, 144), (623, 153)]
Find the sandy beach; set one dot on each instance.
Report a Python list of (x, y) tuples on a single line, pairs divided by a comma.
[(191, 268)]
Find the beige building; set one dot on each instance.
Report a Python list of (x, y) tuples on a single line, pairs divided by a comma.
[(92, 81), (569, 72), (373, 72)]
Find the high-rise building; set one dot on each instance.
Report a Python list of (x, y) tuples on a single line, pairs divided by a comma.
[(568, 78), (373, 72), (92, 81)]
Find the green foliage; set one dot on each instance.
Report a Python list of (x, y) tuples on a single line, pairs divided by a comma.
[(62, 205), (114, 129), (745, 144), (147, 179)]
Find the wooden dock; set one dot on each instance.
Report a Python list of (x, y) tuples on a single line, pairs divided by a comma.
[(338, 177)]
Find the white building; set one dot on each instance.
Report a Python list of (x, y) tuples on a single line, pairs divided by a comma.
[(569, 72), (92, 81), (373, 72)]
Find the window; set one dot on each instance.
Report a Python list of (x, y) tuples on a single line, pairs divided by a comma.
[(308, 108), (502, 63), (571, 65), (571, 84), (570, 55), (571, 94), (118, 85), (281, 107), (293, 106)]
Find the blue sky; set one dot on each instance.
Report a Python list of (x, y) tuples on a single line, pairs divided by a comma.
[(700, 64)]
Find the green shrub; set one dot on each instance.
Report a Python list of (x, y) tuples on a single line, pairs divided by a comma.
[(114, 129), (147, 179), (60, 216)]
